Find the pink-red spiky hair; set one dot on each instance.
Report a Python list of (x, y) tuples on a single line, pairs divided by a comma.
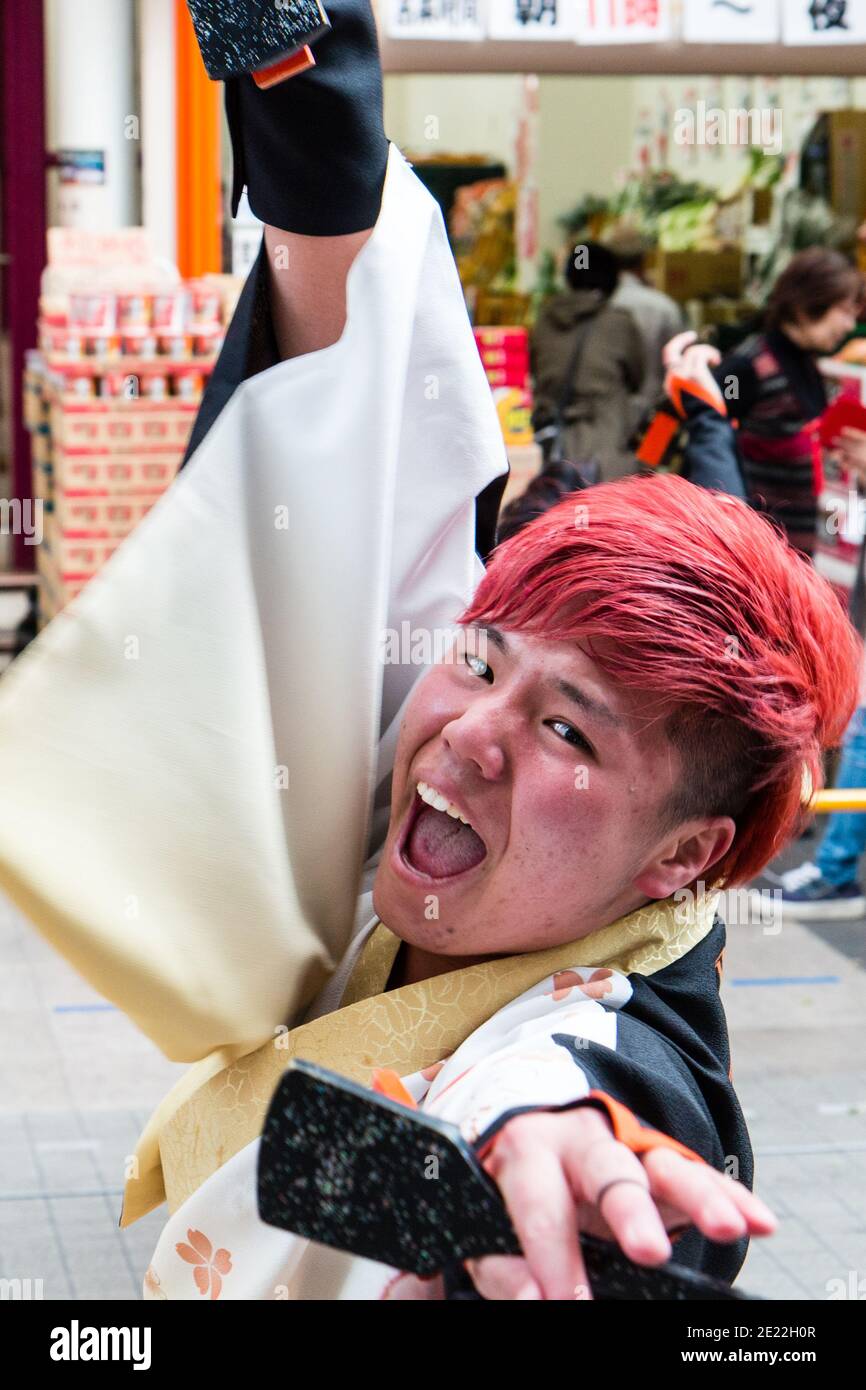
[(695, 599)]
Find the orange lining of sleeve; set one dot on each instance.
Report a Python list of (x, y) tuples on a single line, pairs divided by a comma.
[(639, 1138), (679, 384), (626, 1127), (387, 1083), (660, 432)]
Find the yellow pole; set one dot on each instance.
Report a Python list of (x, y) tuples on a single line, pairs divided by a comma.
[(839, 799)]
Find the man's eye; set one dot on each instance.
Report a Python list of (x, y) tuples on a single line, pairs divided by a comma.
[(571, 735), (479, 667)]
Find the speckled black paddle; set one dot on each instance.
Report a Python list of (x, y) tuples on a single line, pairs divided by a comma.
[(238, 36), (352, 1169)]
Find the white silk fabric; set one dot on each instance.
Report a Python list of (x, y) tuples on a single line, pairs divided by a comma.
[(189, 754)]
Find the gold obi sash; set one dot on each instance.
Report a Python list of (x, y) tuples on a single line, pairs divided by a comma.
[(219, 1105)]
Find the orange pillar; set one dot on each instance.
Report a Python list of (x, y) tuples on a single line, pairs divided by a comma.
[(199, 201)]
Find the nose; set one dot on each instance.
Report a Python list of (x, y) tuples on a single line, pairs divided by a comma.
[(479, 735)]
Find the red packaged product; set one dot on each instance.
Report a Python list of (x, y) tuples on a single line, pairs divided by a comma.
[(170, 312), (503, 357), (507, 338), (504, 376), (97, 312)]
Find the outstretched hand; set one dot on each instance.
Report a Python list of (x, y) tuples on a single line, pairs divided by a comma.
[(561, 1173), (685, 357)]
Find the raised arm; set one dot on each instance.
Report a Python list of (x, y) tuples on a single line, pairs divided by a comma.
[(312, 153), (308, 287), (691, 384)]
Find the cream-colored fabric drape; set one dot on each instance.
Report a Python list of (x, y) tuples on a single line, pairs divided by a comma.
[(189, 754)]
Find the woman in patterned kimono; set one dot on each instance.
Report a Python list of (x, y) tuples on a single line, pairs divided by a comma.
[(776, 393)]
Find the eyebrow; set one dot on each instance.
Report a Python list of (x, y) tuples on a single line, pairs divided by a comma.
[(596, 709)]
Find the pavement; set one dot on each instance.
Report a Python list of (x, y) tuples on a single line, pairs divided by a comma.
[(78, 1082)]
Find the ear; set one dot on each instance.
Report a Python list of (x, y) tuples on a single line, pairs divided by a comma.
[(687, 853)]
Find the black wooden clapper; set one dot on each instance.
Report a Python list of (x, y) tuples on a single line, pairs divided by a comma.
[(355, 1170), (240, 36)]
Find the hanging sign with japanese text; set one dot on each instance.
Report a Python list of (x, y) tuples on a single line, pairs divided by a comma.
[(548, 20), (624, 21), (434, 19), (824, 21), (721, 21)]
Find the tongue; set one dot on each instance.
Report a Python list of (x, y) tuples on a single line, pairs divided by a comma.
[(440, 846)]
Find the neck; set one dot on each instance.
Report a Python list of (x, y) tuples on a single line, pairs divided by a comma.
[(413, 964), (796, 335)]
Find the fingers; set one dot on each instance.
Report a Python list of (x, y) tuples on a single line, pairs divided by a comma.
[(560, 1174), (703, 355), (612, 1178), (529, 1171), (721, 1208), (501, 1277), (685, 357), (673, 350)]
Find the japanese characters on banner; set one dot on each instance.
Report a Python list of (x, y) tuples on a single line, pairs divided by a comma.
[(720, 21), (532, 19), (625, 21), (812, 22), (824, 21), (434, 19)]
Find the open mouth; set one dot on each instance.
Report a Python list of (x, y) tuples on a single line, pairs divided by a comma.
[(438, 844)]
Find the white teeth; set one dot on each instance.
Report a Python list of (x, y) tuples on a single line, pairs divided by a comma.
[(439, 802)]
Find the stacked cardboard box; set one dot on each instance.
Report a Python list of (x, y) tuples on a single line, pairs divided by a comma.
[(98, 468), (125, 350), (686, 275)]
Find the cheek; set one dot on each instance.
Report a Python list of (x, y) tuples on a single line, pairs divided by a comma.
[(580, 814), (558, 809), (431, 706)]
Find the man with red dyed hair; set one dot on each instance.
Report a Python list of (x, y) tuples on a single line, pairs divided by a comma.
[(208, 736), (645, 679), (641, 684)]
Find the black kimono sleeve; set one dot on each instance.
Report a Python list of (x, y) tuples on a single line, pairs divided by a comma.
[(711, 456)]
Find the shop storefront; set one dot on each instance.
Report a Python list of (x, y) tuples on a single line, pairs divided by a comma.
[(719, 142)]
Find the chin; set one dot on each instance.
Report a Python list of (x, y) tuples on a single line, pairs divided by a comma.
[(403, 908)]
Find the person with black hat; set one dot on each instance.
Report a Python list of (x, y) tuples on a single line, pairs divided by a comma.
[(587, 362)]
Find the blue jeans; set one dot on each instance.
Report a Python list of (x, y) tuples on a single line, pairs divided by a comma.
[(845, 837)]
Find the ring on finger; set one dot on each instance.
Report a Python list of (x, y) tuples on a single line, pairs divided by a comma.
[(616, 1182)]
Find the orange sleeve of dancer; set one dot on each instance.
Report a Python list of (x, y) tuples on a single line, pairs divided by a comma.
[(626, 1127)]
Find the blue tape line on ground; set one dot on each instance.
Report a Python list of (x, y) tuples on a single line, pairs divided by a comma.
[(789, 980), (84, 1009)]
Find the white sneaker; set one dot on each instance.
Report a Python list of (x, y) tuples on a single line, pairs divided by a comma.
[(808, 897)]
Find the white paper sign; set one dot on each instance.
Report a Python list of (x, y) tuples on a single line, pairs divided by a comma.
[(434, 19), (824, 21), (731, 21), (548, 20), (624, 21)]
